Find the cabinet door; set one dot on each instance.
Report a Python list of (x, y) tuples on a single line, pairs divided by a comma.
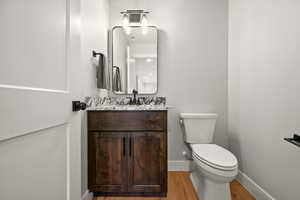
[(107, 162), (147, 162)]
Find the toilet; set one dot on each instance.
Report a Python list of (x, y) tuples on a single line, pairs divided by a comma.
[(213, 167)]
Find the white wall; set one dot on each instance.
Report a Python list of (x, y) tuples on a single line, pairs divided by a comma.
[(192, 58), (264, 85), (94, 26)]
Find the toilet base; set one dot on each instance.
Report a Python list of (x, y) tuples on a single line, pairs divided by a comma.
[(207, 189)]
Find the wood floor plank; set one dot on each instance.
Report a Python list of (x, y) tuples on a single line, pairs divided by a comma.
[(187, 187), (238, 192), (181, 188)]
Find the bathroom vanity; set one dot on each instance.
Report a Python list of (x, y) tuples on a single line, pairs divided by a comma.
[(127, 139), (127, 152)]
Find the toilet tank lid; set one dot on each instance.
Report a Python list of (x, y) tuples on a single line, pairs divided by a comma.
[(198, 115)]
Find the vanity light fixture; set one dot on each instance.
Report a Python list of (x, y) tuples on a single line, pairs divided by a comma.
[(135, 17)]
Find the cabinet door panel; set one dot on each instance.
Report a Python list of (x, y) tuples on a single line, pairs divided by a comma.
[(147, 162), (109, 160)]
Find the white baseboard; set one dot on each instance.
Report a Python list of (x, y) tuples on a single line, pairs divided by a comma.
[(87, 195), (258, 192), (178, 165)]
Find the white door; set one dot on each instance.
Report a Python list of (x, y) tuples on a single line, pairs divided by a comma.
[(39, 73)]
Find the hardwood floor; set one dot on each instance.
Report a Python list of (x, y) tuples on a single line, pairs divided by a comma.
[(238, 192), (181, 188)]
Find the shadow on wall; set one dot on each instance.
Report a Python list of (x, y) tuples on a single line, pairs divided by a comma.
[(235, 147), (189, 89)]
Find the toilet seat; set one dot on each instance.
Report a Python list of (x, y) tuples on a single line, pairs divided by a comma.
[(214, 156)]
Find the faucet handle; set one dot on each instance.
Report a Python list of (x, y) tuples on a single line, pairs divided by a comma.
[(134, 91), (134, 101)]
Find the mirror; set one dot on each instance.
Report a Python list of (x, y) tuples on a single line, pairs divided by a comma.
[(134, 60)]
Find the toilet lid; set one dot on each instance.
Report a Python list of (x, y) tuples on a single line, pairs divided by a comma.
[(215, 156)]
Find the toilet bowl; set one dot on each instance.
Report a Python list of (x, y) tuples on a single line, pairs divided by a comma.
[(213, 167)]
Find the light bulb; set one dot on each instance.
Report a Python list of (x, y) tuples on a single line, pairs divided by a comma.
[(144, 24), (144, 21), (125, 20), (126, 24)]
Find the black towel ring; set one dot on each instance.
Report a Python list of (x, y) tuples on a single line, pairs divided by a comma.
[(95, 54)]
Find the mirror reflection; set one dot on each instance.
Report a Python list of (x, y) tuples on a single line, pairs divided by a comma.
[(134, 60)]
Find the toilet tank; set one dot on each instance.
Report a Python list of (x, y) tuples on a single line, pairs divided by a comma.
[(199, 128)]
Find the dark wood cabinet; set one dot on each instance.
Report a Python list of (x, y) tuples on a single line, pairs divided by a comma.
[(108, 161), (127, 153), (147, 162)]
